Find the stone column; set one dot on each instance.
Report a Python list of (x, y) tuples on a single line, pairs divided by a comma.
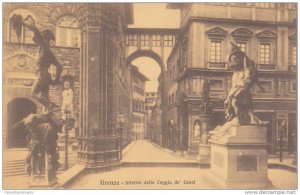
[(98, 142)]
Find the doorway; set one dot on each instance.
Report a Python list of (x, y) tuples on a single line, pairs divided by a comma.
[(17, 110)]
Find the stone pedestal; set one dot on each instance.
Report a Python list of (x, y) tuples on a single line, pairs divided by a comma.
[(239, 159), (204, 154)]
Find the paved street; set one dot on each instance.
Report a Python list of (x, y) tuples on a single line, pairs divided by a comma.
[(146, 151), (162, 177)]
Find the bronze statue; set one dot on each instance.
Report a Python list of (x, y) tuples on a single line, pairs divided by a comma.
[(40, 88), (43, 129), (238, 104)]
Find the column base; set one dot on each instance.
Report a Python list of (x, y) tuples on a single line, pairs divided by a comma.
[(101, 152)]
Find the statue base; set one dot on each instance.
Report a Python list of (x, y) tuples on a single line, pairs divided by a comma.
[(203, 157), (39, 182), (239, 159)]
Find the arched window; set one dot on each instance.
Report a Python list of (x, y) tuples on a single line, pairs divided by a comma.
[(26, 34), (67, 32)]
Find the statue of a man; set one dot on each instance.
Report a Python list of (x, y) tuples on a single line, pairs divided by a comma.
[(238, 104), (40, 88)]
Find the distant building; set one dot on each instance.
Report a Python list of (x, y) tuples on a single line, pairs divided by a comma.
[(266, 32), (138, 103), (150, 107)]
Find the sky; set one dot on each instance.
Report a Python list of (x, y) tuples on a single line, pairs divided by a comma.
[(152, 15)]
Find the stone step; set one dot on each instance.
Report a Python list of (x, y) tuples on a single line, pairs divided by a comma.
[(19, 171)]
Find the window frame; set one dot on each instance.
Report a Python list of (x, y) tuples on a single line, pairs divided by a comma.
[(169, 42), (210, 50), (266, 91), (293, 55), (291, 87), (145, 40), (214, 88), (132, 40), (68, 32), (156, 42), (270, 52)]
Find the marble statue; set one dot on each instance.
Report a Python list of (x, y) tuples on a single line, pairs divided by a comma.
[(238, 103)]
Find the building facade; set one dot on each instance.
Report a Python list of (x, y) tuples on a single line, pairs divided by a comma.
[(151, 102), (19, 63), (266, 32), (139, 114)]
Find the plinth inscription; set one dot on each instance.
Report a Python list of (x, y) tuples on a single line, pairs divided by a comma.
[(247, 163)]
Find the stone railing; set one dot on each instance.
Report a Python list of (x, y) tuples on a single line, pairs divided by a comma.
[(216, 65), (267, 67)]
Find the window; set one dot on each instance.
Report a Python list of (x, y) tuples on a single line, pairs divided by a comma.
[(294, 54), (156, 40), (242, 46), (215, 51), (132, 40), (293, 86), (26, 34), (168, 40), (265, 5), (67, 32), (144, 40), (196, 86), (267, 85), (265, 53), (218, 84)]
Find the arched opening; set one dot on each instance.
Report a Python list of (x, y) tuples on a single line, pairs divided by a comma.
[(17, 110), (151, 65)]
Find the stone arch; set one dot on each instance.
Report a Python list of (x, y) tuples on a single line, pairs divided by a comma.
[(151, 54), (146, 53), (17, 109)]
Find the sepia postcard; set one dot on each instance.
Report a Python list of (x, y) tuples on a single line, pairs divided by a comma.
[(150, 96)]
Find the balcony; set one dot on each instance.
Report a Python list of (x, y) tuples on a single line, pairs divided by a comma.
[(267, 67), (216, 65)]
